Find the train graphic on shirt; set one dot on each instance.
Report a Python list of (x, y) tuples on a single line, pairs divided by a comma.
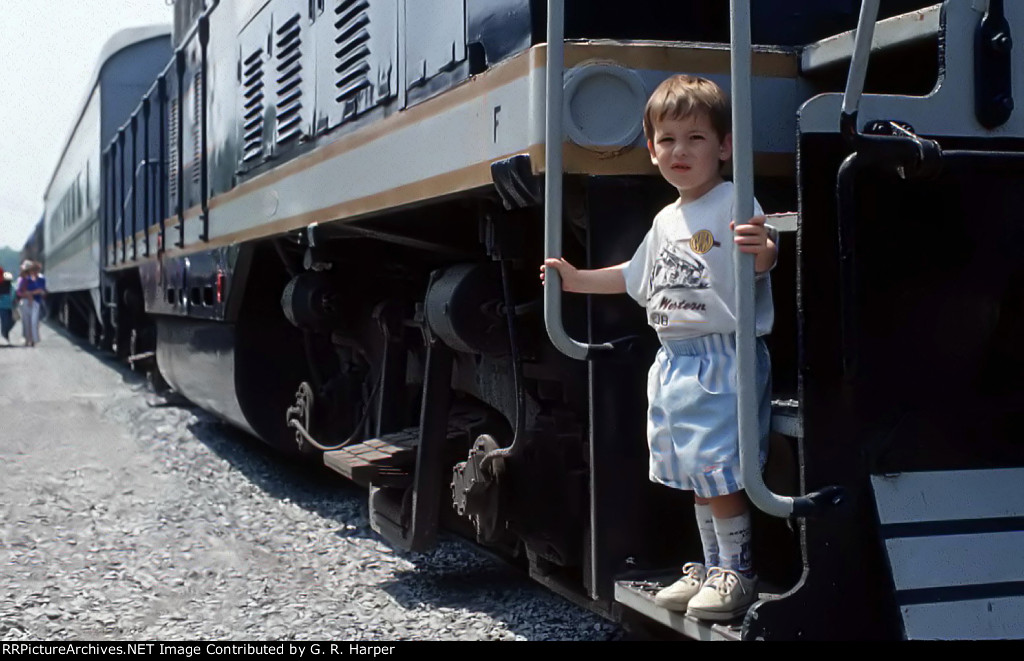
[(675, 268)]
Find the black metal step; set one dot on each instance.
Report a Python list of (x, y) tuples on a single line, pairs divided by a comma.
[(787, 418), (637, 594)]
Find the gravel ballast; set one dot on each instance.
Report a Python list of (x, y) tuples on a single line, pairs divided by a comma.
[(126, 521)]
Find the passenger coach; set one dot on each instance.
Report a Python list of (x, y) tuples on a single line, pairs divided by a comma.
[(71, 225)]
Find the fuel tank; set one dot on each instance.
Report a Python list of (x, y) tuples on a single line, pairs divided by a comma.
[(246, 372), (198, 359)]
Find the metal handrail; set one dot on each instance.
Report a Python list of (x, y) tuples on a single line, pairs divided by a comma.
[(858, 66), (747, 396), (553, 139), (135, 178)]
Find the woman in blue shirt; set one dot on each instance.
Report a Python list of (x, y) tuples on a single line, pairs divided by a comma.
[(31, 290)]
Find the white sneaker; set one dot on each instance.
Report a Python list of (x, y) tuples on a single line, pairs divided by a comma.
[(676, 596), (725, 595)]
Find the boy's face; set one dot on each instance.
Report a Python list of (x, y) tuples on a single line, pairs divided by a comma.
[(688, 154)]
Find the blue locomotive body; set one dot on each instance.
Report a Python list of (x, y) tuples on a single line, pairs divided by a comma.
[(323, 221)]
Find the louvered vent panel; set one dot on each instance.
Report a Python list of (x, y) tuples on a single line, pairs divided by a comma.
[(252, 106), (197, 129), (172, 140), (351, 58), (288, 57)]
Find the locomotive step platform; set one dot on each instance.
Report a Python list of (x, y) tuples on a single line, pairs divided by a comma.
[(637, 594), (786, 418), (390, 461), (376, 457)]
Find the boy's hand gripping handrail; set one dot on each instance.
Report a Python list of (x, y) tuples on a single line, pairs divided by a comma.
[(553, 187), (747, 396)]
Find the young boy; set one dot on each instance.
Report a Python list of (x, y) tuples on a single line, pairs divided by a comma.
[(683, 274)]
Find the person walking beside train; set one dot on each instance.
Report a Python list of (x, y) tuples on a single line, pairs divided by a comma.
[(44, 308), (6, 304), (683, 274), (30, 291)]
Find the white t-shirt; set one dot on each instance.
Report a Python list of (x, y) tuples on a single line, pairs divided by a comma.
[(683, 270)]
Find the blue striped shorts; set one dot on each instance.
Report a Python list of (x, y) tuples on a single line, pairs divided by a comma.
[(691, 419)]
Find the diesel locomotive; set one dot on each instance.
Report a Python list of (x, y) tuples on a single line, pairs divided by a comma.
[(322, 220)]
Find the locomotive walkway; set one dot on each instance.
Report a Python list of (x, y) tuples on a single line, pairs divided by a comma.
[(125, 521)]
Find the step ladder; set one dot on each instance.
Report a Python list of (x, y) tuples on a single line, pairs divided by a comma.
[(955, 546)]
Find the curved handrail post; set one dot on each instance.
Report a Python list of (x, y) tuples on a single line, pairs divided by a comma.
[(743, 178), (553, 186), (747, 404)]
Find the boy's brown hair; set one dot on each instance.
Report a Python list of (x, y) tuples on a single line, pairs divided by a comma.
[(681, 96)]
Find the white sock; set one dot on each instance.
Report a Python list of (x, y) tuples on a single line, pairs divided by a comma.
[(706, 526), (734, 543)]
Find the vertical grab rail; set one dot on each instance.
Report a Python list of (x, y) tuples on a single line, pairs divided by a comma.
[(845, 207), (134, 192), (553, 186), (858, 67), (105, 196), (146, 184), (747, 396), (204, 158)]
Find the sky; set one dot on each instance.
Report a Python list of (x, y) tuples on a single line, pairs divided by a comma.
[(48, 53)]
